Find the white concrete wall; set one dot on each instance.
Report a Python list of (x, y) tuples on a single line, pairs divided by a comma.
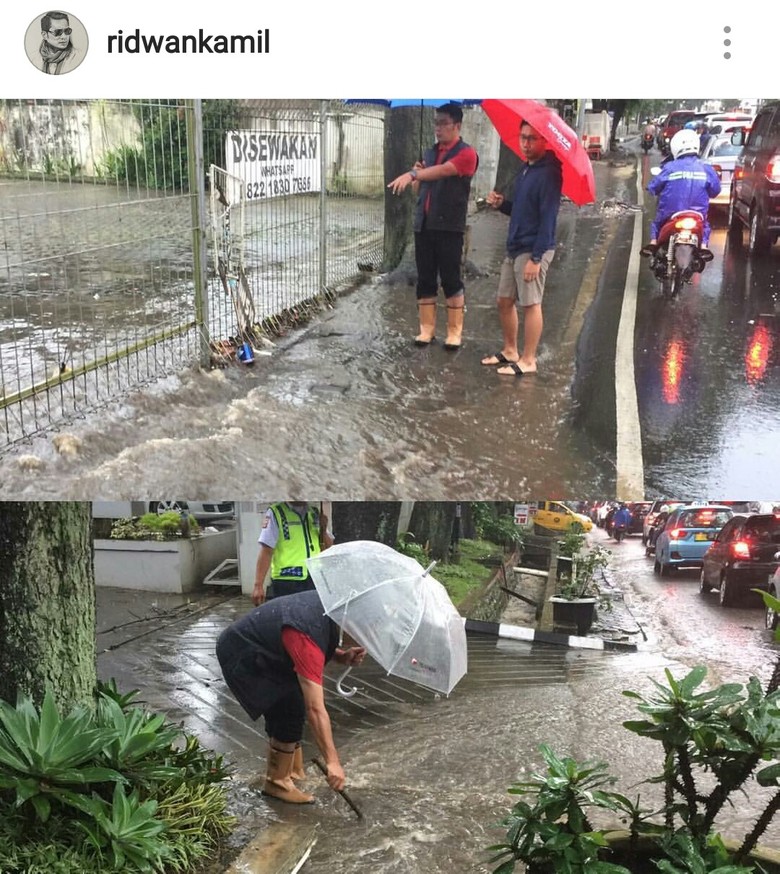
[(170, 566)]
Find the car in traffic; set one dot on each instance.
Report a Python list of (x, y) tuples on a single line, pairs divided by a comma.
[(652, 514), (727, 121), (743, 556), (203, 511), (754, 202), (556, 516), (721, 154), (687, 535), (638, 510), (674, 121)]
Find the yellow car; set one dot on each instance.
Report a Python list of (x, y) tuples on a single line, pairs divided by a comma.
[(555, 516)]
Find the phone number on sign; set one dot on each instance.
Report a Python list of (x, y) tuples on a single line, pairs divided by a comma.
[(275, 187)]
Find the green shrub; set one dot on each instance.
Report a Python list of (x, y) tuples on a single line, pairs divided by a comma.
[(117, 790), (153, 526)]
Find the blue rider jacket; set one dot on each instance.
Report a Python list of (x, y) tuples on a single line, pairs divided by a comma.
[(685, 183), (622, 517)]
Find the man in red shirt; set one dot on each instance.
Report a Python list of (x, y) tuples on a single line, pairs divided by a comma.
[(273, 660), (442, 181)]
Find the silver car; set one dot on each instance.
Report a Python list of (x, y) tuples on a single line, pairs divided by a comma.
[(722, 154)]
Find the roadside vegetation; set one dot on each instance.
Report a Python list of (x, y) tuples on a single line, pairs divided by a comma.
[(113, 789), (471, 562)]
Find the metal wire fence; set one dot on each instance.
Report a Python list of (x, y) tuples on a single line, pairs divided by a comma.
[(109, 220)]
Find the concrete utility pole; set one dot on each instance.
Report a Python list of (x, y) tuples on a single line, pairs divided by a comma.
[(580, 118)]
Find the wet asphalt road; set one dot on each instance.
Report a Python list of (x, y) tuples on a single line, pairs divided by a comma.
[(707, 374), (347, 407)]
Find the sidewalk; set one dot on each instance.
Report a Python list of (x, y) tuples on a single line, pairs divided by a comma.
[(163, 645)]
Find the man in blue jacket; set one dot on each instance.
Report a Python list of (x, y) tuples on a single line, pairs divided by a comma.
[(530, 248), (686, 182)]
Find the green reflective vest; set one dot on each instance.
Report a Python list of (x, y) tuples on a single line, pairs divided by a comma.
[(299, 539)]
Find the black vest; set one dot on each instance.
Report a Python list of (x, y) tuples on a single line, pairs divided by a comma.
[(261, 628), (449, 197)]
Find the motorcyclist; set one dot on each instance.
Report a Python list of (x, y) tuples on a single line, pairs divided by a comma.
[(649, 130), (685, 182), (622, 517)]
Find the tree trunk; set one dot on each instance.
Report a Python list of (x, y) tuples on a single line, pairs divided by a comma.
[(47, 602), (402, 149), (509, 165), (366, 520), (432, 524)]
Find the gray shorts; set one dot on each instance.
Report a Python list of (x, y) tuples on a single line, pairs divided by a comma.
[(512, 285)]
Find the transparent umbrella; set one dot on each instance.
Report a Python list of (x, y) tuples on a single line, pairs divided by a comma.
[(394, 608)]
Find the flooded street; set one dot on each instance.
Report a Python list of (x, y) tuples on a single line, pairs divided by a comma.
[(433, 792), (350, 386), (431, 774), (412, 422)]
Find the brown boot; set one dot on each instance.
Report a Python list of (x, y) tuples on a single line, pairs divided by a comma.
[(298, 773), (278, 783), (427, 311), (454, 327)]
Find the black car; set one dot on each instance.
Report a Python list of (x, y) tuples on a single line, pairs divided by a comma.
[(638, 510), (755, 189), (742, 557)]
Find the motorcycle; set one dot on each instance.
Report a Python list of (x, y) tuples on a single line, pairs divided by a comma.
[(679, 254), (619, 531), (647, 142)]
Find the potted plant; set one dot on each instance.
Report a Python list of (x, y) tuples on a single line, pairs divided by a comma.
[(578, 594), (713, 745)]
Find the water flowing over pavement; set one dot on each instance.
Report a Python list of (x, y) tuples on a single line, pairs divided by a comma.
[(350, 385), (428, 424), (430, 774)]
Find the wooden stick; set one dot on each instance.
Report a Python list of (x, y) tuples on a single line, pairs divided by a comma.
[(341, 792)]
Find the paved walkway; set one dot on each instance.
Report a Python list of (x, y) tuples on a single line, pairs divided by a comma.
[(163, 645)]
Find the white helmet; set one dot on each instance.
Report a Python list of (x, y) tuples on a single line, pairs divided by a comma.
[(684, 142)]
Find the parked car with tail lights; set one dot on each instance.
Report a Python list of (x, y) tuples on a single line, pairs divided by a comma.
[(743, 556), (755, 190), (721, 154), (687, 536)]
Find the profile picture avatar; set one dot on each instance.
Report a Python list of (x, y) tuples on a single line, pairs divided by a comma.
[(56, 42)]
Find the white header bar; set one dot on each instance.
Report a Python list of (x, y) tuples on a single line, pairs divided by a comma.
[(348, 49)]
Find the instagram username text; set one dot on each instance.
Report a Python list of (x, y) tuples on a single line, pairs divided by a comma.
[(137, 43)]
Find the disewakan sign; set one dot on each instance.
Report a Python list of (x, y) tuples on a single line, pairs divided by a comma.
[(273, 163)]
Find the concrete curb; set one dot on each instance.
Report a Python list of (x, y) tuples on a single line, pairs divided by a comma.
[(532, 635), (280, 849)]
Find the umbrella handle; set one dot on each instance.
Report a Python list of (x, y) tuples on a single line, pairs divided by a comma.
[(345, 693)]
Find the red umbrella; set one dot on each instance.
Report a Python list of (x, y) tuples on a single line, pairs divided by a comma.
[(507, 115)]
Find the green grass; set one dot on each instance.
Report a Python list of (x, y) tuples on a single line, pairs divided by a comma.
[(469, 573)]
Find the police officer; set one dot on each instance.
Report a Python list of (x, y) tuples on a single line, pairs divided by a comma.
[(292, 532)]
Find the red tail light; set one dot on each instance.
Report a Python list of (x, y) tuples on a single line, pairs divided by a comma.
[(718, 169), (685, 224), (740, 549), (677, 533), (739, 172), (773, 170)]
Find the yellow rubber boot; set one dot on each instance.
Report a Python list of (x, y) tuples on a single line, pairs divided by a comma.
[(454, 327), (427, 311), (298, 772), (278, 782)]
